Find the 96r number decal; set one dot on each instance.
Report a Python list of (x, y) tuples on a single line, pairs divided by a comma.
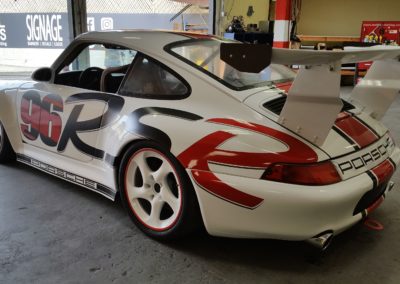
[(40, 117)]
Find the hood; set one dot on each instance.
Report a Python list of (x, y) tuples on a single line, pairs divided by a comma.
[(353, 130)]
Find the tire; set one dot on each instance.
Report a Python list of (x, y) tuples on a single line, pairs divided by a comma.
[(157, 192), (7, 153)]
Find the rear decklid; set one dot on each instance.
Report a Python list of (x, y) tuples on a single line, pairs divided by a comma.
[(352, 130)]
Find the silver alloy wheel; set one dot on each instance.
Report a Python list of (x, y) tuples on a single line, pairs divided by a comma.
[(153, 189)]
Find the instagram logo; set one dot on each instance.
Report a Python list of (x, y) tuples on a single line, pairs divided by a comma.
[(106, 24)]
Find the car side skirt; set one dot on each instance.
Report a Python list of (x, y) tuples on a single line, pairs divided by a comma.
[(68, 176)]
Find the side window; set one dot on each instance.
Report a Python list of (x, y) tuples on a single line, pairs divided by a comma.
[(98, 55), (148, 79), (98, 67)]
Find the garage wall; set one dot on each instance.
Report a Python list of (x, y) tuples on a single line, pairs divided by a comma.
[(344, 17), (240, 7)]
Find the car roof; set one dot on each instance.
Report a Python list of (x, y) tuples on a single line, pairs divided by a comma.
[(149, 41)]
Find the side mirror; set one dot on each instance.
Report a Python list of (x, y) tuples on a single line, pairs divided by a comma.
[(43, 74)]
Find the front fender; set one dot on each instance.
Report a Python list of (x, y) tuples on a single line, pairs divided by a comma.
[(8, 112)]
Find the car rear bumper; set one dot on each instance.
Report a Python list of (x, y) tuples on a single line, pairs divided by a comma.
[(287, 211)]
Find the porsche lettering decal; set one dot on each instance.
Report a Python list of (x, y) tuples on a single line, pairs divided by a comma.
[(364, 159), (60, 173)]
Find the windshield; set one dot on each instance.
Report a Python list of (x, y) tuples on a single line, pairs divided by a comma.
[(205, 55)]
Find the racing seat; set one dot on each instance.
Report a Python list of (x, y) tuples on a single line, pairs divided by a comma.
[(90, 78), (111, 78)]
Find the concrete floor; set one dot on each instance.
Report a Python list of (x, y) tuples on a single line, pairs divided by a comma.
[(55, 232)]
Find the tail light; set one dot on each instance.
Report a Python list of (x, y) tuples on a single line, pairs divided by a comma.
[(305, 174)]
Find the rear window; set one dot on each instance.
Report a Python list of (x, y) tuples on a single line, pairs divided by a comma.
[(149, 79), (205, 55)]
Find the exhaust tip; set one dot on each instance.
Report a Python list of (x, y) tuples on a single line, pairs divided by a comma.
[(322, 240)]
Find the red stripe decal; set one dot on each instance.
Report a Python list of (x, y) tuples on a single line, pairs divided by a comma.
[(342, 115), (206, 150), (297, 152), (383, 171), (357, 131), (284, 86), (215, 186)]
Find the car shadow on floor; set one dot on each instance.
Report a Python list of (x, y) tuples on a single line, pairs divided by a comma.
[(272, 254), (277, 254)]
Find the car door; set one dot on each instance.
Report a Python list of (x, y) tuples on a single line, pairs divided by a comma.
[(63, 117)]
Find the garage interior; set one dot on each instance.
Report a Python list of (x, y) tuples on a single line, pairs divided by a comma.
[(52, 231)]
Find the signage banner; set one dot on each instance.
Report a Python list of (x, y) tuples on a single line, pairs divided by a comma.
[(39, 30)]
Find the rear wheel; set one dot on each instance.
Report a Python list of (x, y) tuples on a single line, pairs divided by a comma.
[(157, 192), (6, 151)]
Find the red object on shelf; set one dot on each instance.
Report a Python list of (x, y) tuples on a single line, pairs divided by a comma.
[(378, 32)]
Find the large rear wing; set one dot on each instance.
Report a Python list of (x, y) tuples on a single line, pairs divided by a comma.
[(313, 101)]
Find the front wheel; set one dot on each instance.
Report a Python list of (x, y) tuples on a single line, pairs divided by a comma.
[(6, 151), (157, 192)]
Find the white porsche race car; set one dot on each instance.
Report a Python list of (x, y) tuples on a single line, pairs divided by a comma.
[(191, 129)]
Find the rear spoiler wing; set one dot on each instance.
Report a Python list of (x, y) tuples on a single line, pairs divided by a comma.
[(313, 101)]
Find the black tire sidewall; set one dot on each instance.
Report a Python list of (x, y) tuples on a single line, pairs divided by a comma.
[(7, 153)]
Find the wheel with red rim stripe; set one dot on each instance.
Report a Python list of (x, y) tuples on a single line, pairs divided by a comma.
[(157, 192), (6, 151)]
